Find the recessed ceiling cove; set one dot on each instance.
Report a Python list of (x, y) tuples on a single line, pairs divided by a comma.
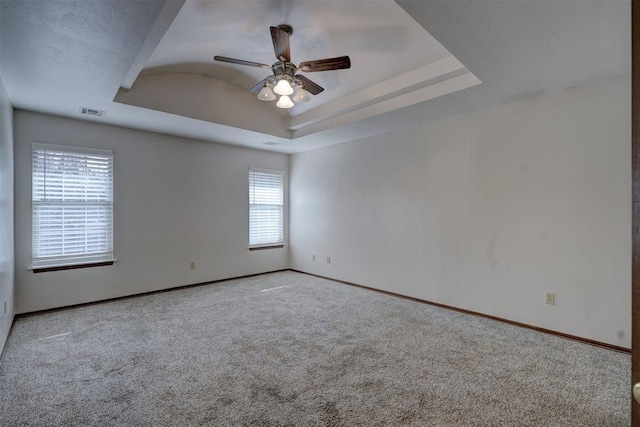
[(394, 63)]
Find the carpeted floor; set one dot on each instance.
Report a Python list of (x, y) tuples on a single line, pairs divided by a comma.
[(288, 349)]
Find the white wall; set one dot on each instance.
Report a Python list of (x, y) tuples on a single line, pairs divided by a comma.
[(485, 211), (175, 201), (6, 215)]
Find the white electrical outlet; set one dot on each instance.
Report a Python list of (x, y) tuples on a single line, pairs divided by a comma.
[(313, 257), (328, 260), (192, 265), (549, 298)]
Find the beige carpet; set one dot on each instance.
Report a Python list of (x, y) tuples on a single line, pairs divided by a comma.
[(288, 349)]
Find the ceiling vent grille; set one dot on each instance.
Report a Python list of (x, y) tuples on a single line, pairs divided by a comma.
[(92, 112)]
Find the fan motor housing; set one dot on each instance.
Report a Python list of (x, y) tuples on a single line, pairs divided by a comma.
[(281, 68)]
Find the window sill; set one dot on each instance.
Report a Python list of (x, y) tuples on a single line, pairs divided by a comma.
[(263, 247), (70, 266)]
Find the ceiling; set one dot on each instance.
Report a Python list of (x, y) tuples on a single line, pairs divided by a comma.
[(149, 63)]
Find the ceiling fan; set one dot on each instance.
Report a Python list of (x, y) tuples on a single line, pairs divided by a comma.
[(284, 80)]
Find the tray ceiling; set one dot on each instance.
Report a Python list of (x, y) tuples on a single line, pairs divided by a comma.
[(149, 63)]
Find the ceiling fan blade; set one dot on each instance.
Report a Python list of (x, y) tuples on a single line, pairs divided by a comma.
[(339, 63), (281, 44), (258, 86), (241, 62), (310, 86)]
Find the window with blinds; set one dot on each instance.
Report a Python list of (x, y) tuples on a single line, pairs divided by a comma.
[(72, 198), (266, 208)]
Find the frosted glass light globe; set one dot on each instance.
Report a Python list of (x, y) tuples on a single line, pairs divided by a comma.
[(283, 88), (284, 102), (302, 95), (266, 94)]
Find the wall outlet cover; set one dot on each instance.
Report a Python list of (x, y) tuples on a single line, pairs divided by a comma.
[(549, 298)]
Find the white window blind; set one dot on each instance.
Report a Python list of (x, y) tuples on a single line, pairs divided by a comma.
[(266, 207), (72, 205)]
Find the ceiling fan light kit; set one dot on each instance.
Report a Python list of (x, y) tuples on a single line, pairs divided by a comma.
[(284, 80)]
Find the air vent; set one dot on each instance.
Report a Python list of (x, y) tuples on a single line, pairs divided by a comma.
[(272, 143), (92, 112)]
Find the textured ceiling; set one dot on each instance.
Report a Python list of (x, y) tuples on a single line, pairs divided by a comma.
[(413, 61), (381, 38)]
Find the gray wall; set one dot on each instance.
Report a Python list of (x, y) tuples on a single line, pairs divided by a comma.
[(6, 215), (175, 201), (485, 211)]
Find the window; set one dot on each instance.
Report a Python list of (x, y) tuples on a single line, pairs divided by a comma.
[(266, 208), (72, 198)]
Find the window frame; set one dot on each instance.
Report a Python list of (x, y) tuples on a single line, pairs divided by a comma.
[(64, 262), (270, 245)]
